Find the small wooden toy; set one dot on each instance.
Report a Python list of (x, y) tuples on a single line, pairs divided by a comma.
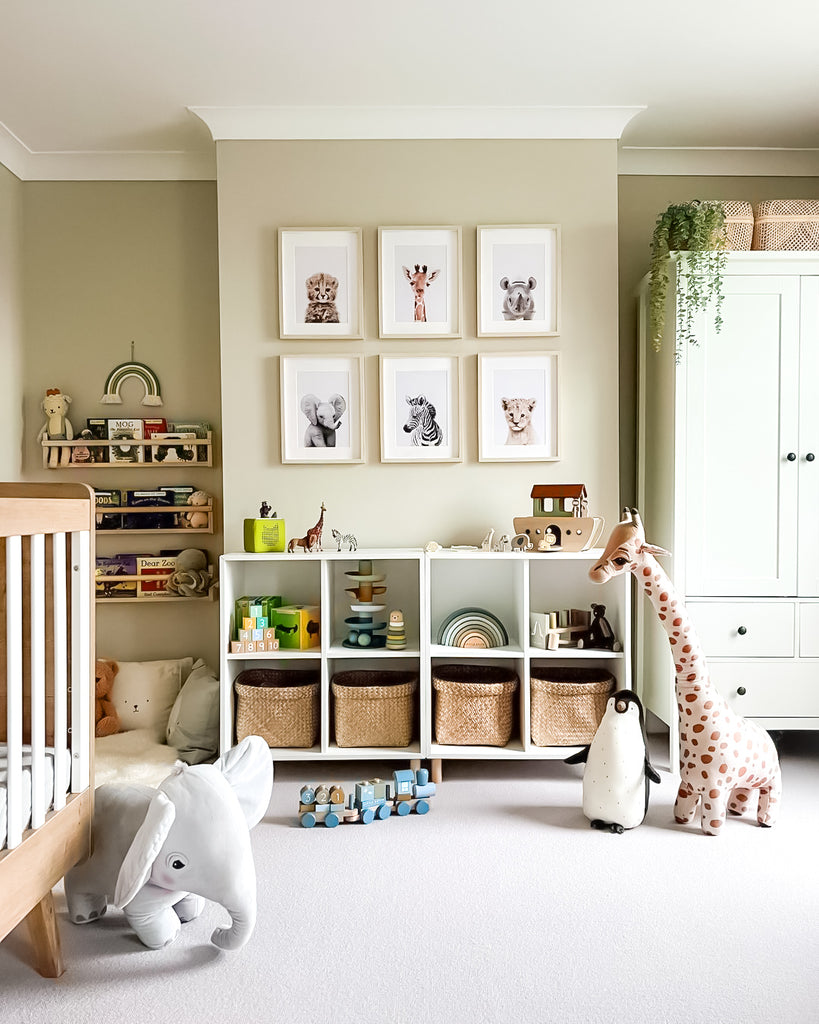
[(265, 510), (311, 541), (362, 626), (560, 519), (369, 800), (396, 634), (486, 543)]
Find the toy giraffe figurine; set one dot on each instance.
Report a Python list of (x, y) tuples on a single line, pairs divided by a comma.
[(419, 281), (723, 757), (314, 533)]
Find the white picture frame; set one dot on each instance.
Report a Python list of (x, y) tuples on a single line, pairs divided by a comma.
[(519, 281), (328, 262), (503, 434), (419, 269), (315, 425), (411, 386)]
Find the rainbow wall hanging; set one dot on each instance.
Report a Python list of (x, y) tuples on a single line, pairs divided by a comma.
[(472, 627), (121, 373)]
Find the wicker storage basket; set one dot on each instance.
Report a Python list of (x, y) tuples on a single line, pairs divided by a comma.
[(374, 709), (786, 224), (280, 705), (568, 704), (739, 224), (474, 704)]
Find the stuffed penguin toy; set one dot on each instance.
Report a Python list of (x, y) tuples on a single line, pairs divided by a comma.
[(617, 773)]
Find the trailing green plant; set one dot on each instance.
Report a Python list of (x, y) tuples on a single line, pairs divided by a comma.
[(696, 231)]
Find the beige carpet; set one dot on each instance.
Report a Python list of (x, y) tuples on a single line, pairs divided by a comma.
[(500, 905)]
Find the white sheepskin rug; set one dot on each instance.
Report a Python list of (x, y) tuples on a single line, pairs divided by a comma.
[(132, 756)]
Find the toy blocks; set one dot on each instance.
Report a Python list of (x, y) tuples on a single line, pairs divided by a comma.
[(253, 632)]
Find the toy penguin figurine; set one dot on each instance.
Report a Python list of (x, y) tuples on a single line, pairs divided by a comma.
[(617, 773)]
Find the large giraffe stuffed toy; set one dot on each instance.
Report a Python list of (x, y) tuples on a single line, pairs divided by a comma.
[(723, 757)]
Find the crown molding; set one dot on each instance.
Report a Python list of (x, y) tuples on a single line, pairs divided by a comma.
[(411, 122), (734, 162), (111, 165)]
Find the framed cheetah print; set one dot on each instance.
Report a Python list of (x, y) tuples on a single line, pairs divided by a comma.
[(320, 283)]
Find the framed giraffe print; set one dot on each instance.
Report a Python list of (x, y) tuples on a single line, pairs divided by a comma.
[(419, 282), (322, 408), (420, 408), (519, 281), (320, 283), (518, 415)]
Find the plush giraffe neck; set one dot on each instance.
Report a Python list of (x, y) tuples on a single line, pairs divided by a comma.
[(627, 550)]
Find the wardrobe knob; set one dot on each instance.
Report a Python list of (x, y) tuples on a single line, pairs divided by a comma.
[(810, 457), (741, 691), (791, 456), (742, 630)]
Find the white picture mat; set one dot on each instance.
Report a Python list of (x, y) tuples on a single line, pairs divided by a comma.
[(437, 248), (523, 376), (322, 376), (438, 378), (304, 252), (519, 253)]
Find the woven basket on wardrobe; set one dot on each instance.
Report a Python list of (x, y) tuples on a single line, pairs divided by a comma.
[(786, 224)]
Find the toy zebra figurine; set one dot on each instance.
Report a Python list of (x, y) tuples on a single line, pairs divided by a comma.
[(426, 433), (345, 538)]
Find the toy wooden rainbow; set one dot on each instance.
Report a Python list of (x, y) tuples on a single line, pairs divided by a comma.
[(121, 373), (472, 627)]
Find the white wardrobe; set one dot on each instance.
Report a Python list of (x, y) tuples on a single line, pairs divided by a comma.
[(728, 481)]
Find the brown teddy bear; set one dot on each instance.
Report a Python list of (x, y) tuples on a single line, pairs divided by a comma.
[(105, 716)]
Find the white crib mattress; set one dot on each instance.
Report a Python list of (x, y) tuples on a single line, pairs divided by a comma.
[(47, 786)]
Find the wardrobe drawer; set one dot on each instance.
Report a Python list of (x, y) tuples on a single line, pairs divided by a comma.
[(809, 630), (771, 690), (739, 629)]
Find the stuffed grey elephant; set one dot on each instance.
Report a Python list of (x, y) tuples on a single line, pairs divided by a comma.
[(159, 853), (325, 419)]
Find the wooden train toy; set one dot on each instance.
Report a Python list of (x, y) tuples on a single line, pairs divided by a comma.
[(371, 799)]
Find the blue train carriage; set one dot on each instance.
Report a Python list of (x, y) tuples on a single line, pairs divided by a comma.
[(371, 799)]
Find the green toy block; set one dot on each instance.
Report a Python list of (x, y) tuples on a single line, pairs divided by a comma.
[(296, 625)]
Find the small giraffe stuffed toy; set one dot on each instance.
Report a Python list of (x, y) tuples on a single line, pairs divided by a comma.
[(723, 757)]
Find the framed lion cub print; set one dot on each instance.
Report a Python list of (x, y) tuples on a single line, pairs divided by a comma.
[(518, 416)]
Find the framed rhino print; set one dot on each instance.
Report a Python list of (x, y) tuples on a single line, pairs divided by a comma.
[(519, 281), (320, 283)]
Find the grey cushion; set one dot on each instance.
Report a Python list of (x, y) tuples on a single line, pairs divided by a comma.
[(193, 726)]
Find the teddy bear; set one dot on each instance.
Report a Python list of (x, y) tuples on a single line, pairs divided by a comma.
[(57, 426), (198, 520), (105, 714)]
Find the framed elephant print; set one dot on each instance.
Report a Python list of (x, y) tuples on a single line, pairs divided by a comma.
[(419, 282), (519, 281), (518, 416), (322, 402), (320, 283), (420, 408)]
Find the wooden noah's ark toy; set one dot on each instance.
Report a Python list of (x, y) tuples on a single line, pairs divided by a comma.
[(560, 520)]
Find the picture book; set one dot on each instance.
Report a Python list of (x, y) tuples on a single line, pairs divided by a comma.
[(108, 499), (109, 572), (153, 566), (148, 520), (171, 450), (123, 431)]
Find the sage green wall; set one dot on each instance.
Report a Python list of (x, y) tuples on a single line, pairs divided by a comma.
[(266, 185), (641, 200), (107, 263), (11, 325)]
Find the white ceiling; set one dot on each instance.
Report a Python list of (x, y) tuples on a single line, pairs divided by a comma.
[(108, 84)]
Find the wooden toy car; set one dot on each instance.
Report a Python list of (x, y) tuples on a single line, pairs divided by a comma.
[(370, 799)]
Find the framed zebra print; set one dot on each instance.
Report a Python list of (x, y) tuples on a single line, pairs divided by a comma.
[(518, 415), (322, 408), (420, 408)]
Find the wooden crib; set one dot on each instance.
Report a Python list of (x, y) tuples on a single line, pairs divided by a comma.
[(46, 700)]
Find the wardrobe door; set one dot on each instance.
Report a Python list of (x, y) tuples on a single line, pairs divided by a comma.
[(809, 439), (741, 447)]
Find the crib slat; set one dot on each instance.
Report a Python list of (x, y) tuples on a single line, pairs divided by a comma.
[(60, 667), (14, 688), (37, 613), (80, 660)]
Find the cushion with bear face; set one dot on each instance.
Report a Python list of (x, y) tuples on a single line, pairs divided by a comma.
[(145, 691)]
